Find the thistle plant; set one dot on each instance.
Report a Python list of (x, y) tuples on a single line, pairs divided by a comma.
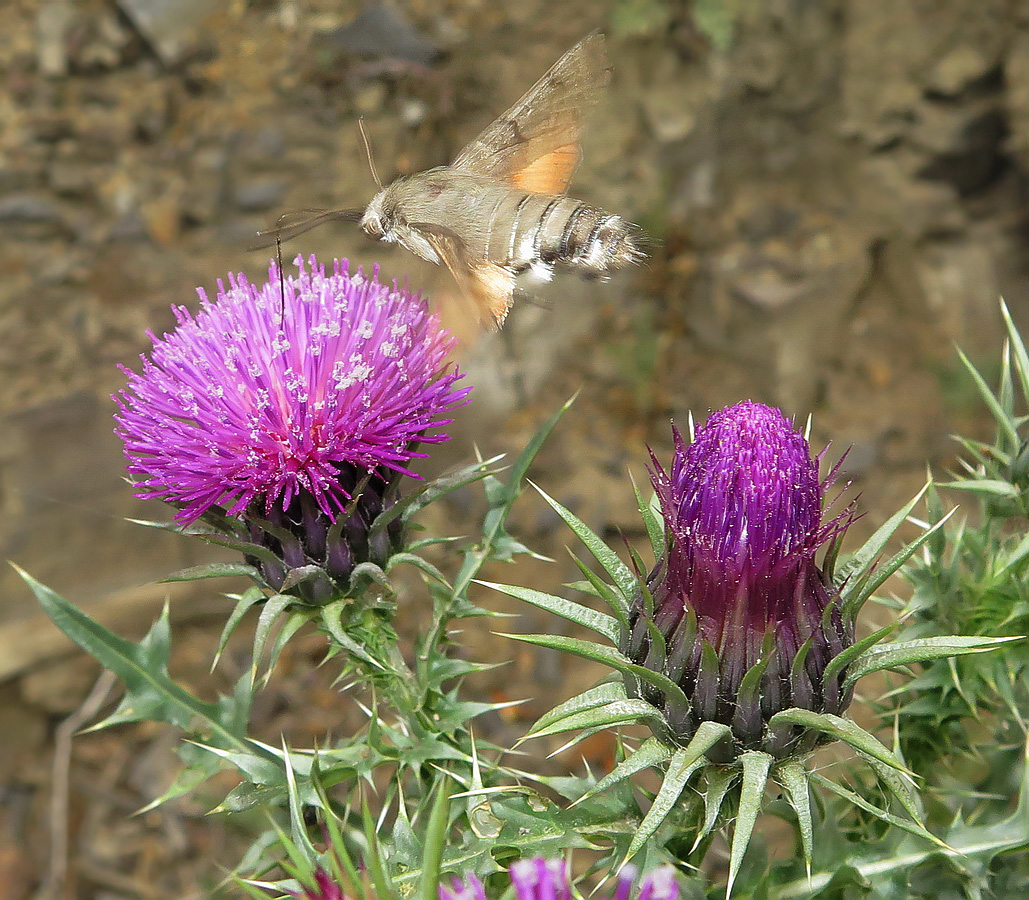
[(283, 420), (738, 649)]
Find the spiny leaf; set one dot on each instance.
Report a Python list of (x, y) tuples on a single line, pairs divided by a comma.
[(843, 730), (1018, 347), (857, 800), (595, 696), (599, 622), (793, 776), (719, 781), (618, 712), (271, 611), (610, 657), (651, 752), (651, 521), (243, 604), (212, 570), (683, 764), (870, 584), (619, 572), (755, 776), (891, 656), (864, 556), (332, 619), (680, 769), (1003, 421), (435, 842), (431, 491), (142, 667)]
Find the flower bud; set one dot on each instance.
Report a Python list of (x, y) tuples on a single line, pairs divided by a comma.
[(737, 612)]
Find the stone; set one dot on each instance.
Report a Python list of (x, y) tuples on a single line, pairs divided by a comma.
[(170, 27), (959, 69)]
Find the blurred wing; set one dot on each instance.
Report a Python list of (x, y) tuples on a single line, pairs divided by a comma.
[(489, 286), (535, 145), (294, 223)]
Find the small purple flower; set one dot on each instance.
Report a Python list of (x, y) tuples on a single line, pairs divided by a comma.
[(282, 410), (547, 879), (747, 619)]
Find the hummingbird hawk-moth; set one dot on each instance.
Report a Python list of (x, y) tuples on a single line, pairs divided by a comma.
[(501, 208)]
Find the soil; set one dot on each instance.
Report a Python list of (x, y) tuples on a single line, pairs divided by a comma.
[(835, 196)]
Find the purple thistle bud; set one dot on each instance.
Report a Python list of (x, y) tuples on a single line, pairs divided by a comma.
[(283, 410), (547, 879), (324, 888), (746, 621)]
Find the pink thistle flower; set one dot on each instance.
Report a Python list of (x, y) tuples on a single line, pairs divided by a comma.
[(284, 408), (540, 878)]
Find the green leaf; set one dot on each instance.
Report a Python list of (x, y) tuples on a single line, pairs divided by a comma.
[(525, 458), (1003, 490), (599, 622), (793, 776), (142, 667), (435, 842), (609, 657), (755, 776), (431, 491), (332, 620), (892, 656), (243, 604), (623, 577), (651, 521), (870, 584), (383, 884), (719, 781), (213, 570), (846, 657), (681, 766), (1018, 347), (857, 800), (618, 712), (1003, 421), (842, 730), (652, 752), (606, 692), (271, 611), (419, 563), (864, 556)]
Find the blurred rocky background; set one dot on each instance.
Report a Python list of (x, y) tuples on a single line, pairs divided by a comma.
[(836, 193)]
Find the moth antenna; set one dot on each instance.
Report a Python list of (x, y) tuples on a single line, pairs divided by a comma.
[(282, 280), (368, 153)]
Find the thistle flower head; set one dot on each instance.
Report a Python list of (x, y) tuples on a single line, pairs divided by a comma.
[(284, 409), (540, 878), (738, 613)]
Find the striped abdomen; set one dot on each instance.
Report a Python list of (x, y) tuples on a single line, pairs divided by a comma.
[(526, 230)]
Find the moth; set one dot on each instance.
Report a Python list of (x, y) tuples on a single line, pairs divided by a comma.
[(500, 209)]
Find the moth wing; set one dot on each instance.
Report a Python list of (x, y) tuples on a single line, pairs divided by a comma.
[(535, 145), (489, 286)]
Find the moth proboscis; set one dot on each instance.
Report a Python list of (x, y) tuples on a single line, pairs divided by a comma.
[(501, 208)]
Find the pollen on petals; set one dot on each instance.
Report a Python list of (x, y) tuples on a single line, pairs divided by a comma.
[(259, 397)]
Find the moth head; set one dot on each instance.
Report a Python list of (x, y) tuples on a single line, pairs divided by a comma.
[(375, 220)]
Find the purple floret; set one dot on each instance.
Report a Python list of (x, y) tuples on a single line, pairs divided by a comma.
[(260, 398)]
